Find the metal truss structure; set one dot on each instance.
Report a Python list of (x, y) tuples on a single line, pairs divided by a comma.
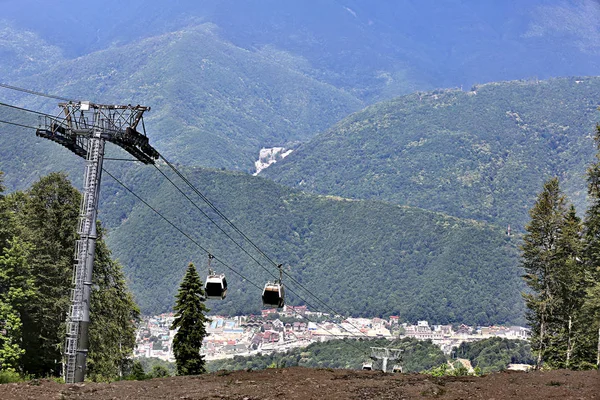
[(385, 354), (84, 128)]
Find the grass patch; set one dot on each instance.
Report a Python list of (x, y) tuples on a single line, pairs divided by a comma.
[(10, 377)]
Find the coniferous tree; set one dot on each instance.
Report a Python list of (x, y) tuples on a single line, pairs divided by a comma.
[(38, 267), (590, 348), (190, 320), (48, 221), (568, 282), (5, 218), (541, 261)]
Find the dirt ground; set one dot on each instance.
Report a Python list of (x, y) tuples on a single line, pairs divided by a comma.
[(303, 383)]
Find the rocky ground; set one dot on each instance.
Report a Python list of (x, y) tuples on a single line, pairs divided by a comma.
[(303, 383)]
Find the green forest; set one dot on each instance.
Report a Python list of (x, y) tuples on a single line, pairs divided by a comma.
[(424, 265), (37, 237), (417, 356), (481, 153), (487, 355), (560, 257)]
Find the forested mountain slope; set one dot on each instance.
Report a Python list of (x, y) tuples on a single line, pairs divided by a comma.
[(480, 154), (361, 257), (213, 104)]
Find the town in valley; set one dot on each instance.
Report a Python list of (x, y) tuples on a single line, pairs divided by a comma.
[(281, 330)]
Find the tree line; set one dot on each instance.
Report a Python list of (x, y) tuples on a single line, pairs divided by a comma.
[(38, 229), (561, 259)]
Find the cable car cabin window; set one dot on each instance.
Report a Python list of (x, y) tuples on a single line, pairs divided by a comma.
[(272, 297), (216, 287), (213, 289)]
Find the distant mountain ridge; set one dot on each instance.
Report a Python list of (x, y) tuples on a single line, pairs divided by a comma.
[(226, 78), (480, 154), (376, 50), (213, 104)]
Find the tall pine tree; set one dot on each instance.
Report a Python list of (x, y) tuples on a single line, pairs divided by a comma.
[(190, 320), (36, 268), (16, 290), (568, 286), (590, 349), (541, 260), (49, 219), (5, 218)]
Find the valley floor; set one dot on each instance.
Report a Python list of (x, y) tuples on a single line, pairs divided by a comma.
[(303, 383)]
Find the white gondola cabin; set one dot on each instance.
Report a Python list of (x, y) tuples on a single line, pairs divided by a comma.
[(216, 284), (397, 369), (216, 287), (273, 295), (367, 366)]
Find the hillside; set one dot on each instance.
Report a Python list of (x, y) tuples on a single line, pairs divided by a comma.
[(24, 53), (304, 383), (213, 104), (376, 258), (361, 257), (479, 154), (417, 356)]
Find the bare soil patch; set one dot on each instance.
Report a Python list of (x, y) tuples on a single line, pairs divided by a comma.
[(303, 383)]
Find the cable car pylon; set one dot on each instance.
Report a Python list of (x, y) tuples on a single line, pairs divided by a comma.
[(385, 354), (84, 129)]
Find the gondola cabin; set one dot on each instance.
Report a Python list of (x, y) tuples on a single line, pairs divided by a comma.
[(397, 369), (216, 287), (273, 295), (367, 366)]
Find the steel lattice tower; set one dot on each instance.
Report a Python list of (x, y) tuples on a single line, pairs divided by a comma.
[(385, 354), (84, 129)]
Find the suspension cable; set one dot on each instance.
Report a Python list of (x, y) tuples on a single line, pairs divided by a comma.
[(214, 257), (228, 221), (50, 96), (242, 248), (17, 124)]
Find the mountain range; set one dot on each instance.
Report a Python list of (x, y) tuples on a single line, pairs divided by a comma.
[(408, 189)]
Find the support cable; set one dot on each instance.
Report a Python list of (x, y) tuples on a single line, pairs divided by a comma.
[(17, 124), (213, 221), (26, 110), (50, 96), (178, 229), (206, 251), (239, 245), (228, 221)]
